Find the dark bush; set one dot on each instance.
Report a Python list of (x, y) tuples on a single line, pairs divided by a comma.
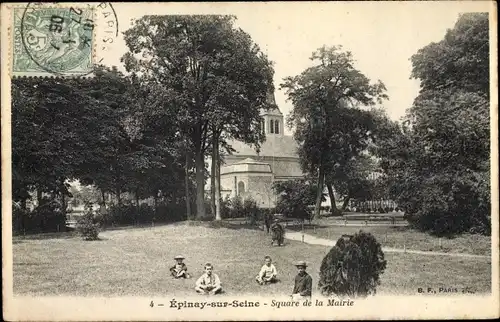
[(47, 217), (238, 208), (87, 225), (352, 267), (250, 210), (144, 214)]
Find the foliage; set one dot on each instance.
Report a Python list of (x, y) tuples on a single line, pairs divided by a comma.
[(329, 126), (352, 267), (295, 197), (460, 60), (47, 217), (251, 210), (125, 215), (113, 146), (437, 164), (352, 179), (87, 225), (236, 207), (207, 74)]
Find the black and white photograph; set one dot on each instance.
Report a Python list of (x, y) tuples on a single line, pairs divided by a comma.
[(249, 160)]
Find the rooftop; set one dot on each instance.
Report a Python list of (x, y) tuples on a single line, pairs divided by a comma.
[(274, 146)]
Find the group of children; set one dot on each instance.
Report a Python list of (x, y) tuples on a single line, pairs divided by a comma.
[(209, 282)]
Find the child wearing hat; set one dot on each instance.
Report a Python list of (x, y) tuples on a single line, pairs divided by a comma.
[(303, 282), (179, 270), (209, 282), (268, 273)]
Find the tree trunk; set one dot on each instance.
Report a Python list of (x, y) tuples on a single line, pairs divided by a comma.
[(155, 205), (212, 177), (119, 197), (39, 196), (217, 181), (321, 178), (346, 202), (331, 194), (63, 197), (136, 205), (103, 198), (200, 182), (186, 184)]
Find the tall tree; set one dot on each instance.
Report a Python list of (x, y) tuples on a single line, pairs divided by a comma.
[(438, 163), (215, 77), (330, 129)]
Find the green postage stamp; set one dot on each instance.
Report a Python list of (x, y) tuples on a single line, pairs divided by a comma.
[(52, 41)]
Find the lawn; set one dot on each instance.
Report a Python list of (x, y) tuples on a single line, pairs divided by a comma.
[(135, 262), (401, 236)]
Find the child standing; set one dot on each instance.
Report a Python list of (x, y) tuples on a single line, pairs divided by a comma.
[(303, 283), (268, 273)]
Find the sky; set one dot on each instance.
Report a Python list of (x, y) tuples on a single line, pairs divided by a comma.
[(382, 36)]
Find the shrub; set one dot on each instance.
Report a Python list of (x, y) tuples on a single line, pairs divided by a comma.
[(47, 217), (250, 210), (238, 208), (144, 214), (352, 267), (87, 225)]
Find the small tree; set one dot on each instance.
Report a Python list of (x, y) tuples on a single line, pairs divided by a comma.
[(251, 210), (352, 267), (87, 226)]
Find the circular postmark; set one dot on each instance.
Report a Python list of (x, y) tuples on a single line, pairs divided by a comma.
[(60, 40)]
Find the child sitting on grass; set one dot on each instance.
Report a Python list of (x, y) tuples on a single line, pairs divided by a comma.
[(179, 270), (268, 273), (209, 282)]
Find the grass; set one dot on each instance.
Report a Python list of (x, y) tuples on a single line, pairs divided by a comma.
[(401, 236), (135, 262)]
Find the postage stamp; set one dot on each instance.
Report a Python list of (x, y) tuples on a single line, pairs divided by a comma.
[(53, 40)]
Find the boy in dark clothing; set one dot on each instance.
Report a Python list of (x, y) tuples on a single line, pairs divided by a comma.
[(179, 270), (267, 221), (278, 233), (303, 283)]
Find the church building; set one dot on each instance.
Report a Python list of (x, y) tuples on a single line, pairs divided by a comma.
[(248, 173)]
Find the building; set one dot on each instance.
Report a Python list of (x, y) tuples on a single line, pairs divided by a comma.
[(248, 173)]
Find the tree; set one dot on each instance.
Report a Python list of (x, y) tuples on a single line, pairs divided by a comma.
[(294, 198), (438, 162), (211, 76), (96, 130), (459, 61), (330, 129)]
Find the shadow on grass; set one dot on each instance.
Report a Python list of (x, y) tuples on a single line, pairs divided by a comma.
[(40, 236), (228, 224)]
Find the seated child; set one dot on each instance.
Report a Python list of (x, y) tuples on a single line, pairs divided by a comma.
[(179, 270), (209, 282), (268, 273)]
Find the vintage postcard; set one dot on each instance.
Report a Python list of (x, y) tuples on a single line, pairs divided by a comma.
[(249, 161)]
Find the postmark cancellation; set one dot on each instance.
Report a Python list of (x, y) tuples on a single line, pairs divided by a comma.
[(52, 40)]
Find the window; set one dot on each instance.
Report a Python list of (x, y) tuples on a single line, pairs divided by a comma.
[(241, 188), (263, 127), (277, 127), (271, 128)]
